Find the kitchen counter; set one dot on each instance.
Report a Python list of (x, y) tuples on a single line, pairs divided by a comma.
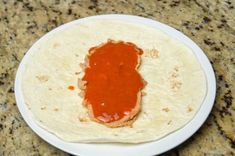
[(211, 24)]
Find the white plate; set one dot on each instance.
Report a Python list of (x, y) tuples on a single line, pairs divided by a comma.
[(164, 144)]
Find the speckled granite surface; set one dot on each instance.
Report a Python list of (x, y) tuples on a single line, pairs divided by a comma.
[(211, 24)]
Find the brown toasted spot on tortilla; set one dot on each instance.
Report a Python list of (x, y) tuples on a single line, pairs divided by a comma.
[(176, 85), (55, 45), (174, 75), (174, 80), (154, 53), (189, 109), (82, 119), (169, 122), (43, 108), (56, 109), (42, 78), (166, 109), (151, 53), (143, 93), (76, 73), (176, 68)]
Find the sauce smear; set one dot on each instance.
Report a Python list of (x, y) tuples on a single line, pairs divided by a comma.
[(71, 87), (113, 82)]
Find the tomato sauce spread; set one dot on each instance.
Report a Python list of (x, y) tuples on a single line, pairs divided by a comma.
[(71, 87), (113, 82)]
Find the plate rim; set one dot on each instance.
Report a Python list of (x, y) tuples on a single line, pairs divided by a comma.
[(164, 144)]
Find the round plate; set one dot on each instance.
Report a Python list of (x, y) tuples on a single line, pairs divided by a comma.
[(159, 146)]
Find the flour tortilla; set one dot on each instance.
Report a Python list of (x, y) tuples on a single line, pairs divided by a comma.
[(175, 90)]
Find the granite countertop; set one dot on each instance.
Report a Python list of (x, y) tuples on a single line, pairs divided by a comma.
[(211, 24)]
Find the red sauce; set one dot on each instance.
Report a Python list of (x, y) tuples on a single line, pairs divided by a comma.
[(112, 80), (71, 87)]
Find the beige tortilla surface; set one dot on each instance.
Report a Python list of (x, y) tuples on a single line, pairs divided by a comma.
[(175, 90)]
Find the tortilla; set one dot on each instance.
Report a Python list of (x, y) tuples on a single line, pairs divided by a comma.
[(175, 90)]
